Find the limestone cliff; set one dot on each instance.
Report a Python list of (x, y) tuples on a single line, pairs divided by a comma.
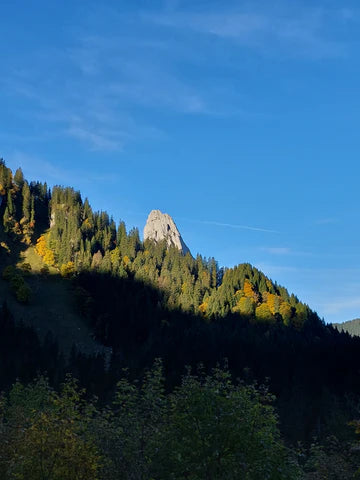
[(160, 226)]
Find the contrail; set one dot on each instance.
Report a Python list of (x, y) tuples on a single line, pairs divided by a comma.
[(232, 225)]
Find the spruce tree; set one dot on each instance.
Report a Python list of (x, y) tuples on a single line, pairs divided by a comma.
[(32, 213), (10, 204), (6, 220), (19, 178), (26, 202)]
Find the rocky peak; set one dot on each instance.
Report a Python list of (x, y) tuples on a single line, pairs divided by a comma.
[(160, 226)]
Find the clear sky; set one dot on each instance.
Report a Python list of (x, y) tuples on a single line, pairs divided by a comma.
[(240, 119)]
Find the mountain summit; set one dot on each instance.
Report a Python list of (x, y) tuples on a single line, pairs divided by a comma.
[(160, 226)]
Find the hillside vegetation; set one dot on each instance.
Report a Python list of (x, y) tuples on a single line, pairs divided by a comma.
[(351, 326), (114, 305)]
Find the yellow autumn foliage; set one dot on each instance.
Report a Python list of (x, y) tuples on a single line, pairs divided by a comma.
[(203, 307), (42, 249), (263, 313), (41, 246), (248, 289), (285, 311), (67, 269), (273, 302), (49, 258)]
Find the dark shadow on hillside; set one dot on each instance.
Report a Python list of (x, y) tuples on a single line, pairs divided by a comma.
[(308, 378), (310, 371)]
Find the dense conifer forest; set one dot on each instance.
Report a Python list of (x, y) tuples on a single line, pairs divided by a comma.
[(186, 370)]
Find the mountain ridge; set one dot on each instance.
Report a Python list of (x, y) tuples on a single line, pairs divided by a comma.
[(144, 300), (350, 326)]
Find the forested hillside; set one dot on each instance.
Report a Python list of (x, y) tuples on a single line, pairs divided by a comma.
[(351, 326), (72, 238), (112, 302)]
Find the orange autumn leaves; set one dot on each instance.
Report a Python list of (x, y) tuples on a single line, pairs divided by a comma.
[(266, 306)]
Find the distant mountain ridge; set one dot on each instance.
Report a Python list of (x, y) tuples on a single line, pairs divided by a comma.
[(351, 326)]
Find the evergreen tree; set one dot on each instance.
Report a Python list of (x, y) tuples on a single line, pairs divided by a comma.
[(7, 220), (10, 204), (19, 178), (28, 205)]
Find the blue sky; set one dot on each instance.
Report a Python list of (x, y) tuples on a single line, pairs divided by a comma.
[(239, 119)]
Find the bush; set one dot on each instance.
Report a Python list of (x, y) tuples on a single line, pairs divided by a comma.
[(8, 272), (23, 294), (67, 270), (18, 285), (45, 270), (26, 268), (208, 428), (16, 281)]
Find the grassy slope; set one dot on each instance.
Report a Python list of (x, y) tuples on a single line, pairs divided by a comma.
[(52, 307)]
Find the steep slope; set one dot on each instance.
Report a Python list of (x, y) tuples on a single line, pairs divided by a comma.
[(76, 272), (51, 306), (70, 238)]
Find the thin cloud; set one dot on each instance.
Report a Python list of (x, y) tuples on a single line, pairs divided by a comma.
[(231, 225), (277, 250), (115, 77), (301, 32), (274, 270), (285, 251), (243, 227), (35, 167), (326, 221), (340, 304), (98, 141)]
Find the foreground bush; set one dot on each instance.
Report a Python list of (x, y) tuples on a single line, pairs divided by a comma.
[(207, 429)]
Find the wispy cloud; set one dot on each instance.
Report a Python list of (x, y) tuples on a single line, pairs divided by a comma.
[(275, 270), (35, 167), (285, 251), (44, 170), (277, 250), (91, 115), (301, 31), (102, 140), (112, 77), (340, 304), (100, 88)]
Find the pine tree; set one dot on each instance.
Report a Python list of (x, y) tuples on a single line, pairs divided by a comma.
[(7, 220), (32, 213), (19, 178), (121, 237), (26, 202), (10, 204)]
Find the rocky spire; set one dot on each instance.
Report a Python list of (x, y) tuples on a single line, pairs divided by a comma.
[(160, 226)]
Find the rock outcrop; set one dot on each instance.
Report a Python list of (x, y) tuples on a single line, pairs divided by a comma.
[(160, 226)]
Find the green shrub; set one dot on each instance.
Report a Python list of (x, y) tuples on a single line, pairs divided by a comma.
[(16, 281), (23, 293), (26, 268), (45, 270), (8, 272)]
